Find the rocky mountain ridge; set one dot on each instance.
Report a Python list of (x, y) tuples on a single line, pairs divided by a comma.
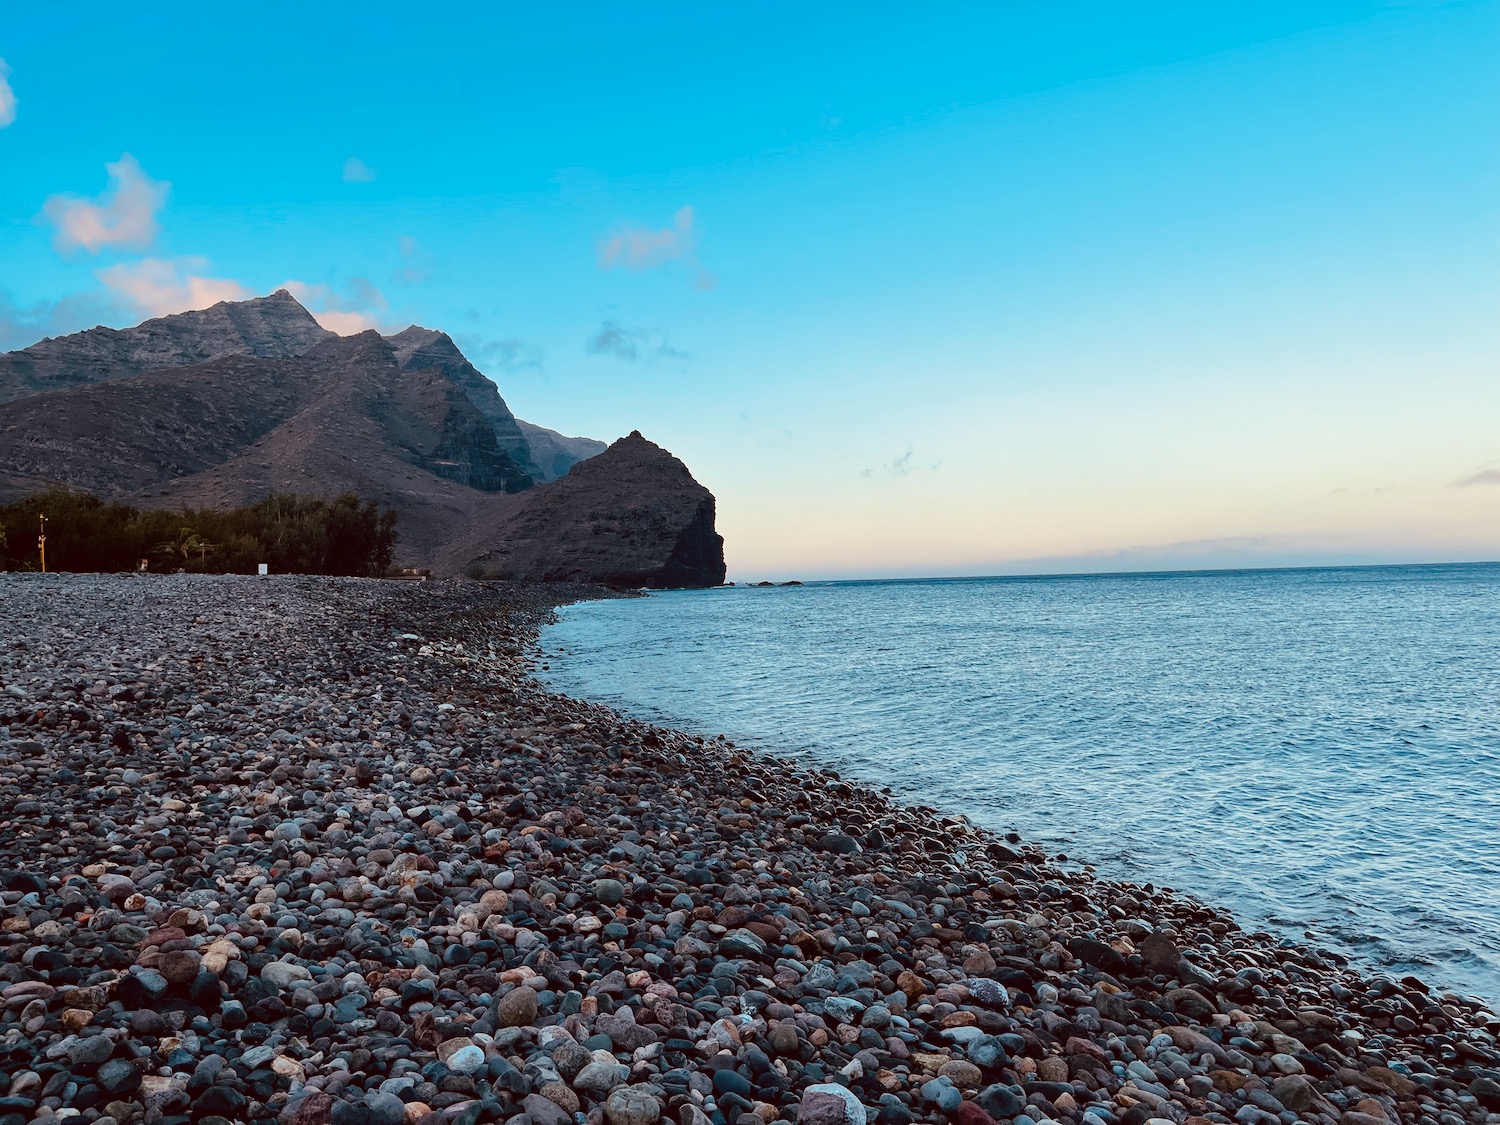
[(271, 327), (224, 406)]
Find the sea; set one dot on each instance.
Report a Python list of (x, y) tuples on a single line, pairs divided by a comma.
[(1317, 750)]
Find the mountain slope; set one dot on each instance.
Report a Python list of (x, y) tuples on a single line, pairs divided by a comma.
[(267, 327), (117, 438)]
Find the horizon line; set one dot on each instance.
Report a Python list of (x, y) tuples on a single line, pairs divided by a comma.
[(1159, 573)]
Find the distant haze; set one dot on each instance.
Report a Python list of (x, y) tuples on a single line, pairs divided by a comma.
[(915, 290)]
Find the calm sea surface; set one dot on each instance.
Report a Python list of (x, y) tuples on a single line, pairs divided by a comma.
[(1318, 750)]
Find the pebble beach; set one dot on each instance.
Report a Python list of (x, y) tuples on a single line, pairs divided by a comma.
[(308, 850)]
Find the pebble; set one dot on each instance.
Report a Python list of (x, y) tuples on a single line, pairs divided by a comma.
[(308, 850)]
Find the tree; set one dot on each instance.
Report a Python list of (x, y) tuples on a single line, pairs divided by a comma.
[(293, 534)]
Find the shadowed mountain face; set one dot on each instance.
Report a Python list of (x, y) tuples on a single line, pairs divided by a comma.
[(140, 415), (423, 349)]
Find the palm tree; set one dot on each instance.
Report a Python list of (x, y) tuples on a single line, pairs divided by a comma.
[(184, 546)]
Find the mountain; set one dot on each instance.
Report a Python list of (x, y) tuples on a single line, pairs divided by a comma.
[(554, 454), (541, 453), (405, 420), (632, 516), (267, 327), (409, 440)]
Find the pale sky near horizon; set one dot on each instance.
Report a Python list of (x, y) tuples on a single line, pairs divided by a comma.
[(914, 289)]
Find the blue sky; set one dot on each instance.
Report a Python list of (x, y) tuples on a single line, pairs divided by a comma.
[(915, 289)]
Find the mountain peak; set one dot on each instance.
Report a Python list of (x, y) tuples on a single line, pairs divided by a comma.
[(271, 327)]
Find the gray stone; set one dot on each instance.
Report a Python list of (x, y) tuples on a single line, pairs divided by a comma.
[(632, 1105), (282, 974), (828, 1103)]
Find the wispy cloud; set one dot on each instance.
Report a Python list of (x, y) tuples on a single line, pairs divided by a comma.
[(158, 286), (123, 215), (7, 97), (21, 325), (903, 465), (356, 171), (635, 247), (510, 353), (634, 345), (415, 265), (1483, 476), (354, 307)]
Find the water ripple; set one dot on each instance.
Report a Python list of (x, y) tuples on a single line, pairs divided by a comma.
[(1318, 750)]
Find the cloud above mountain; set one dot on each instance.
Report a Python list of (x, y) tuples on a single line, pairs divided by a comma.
[(356, 306), (123, 215), (158, 286), (638, 248)]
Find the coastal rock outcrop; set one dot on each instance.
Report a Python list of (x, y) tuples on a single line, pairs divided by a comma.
[(631, 516)]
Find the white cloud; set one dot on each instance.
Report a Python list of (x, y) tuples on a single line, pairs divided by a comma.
[(124, 215), (348, 313), (641, 248), (158, 286), (356, 171), (7, 97)]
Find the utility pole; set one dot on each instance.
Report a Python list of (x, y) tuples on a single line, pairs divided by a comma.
[(41, 541)]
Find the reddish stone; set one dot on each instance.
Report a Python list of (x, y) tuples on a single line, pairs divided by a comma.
[(970, 1113)]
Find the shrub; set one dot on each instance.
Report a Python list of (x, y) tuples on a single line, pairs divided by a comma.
[(292, 534)]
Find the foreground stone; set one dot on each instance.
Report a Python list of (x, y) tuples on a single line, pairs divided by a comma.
[(309, 850)]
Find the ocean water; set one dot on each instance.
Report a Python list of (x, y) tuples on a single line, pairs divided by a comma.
[(1318, 750)]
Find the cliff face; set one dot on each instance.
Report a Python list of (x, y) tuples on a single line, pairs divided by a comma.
[(422, 349), (404, 420), (267, 327), (632, 516)]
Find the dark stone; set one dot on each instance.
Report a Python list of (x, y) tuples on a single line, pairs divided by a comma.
[(223, 1101), (1000, 1101), (1098, 954), (118, 1077)]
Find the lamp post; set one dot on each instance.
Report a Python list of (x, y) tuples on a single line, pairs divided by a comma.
[(41, 541)]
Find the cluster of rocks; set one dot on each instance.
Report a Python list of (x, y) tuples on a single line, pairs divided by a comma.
[(318, 850)]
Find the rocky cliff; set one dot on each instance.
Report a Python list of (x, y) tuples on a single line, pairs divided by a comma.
[(138, 415), (632, 516), (423, 349)]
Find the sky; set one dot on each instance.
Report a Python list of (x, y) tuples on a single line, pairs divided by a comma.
[(914, 289)]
